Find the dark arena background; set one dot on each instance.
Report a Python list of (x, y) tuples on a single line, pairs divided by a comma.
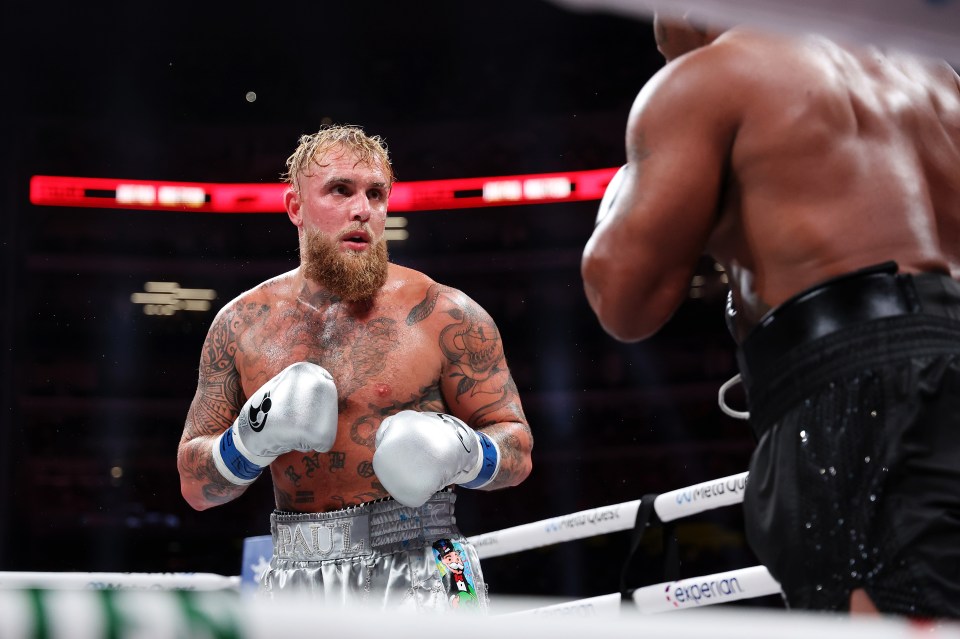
[(105, 307)]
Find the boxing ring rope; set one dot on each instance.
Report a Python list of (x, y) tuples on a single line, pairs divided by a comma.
[(669, 506), (683, 502), (169, 614), (145, 605), (119, 580), (705, 590)]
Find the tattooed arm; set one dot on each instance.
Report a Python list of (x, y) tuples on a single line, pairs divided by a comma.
[(217, 401), (477, 385)]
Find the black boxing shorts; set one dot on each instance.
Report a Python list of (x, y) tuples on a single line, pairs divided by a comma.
[(853, 389)]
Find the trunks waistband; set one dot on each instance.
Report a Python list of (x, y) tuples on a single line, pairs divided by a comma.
[(843, 302), (374, 527)]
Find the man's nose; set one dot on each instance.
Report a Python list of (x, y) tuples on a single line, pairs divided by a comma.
[(361, 209)]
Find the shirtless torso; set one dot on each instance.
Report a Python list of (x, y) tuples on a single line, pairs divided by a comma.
[(792, 160), (420, 346), (851, 160), (788, 160)]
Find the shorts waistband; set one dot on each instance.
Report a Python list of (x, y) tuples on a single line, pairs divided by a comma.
[(380, 526), (845, 302)]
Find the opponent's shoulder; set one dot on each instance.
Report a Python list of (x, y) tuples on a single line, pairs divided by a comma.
[(710, 82), (945, 75)]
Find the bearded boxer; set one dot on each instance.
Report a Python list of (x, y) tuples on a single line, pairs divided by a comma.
[(825, 179), (366, 390)]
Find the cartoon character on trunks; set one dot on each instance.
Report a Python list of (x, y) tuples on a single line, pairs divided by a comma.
[(456, 574)]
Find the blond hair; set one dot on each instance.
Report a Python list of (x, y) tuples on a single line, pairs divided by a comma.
[(314, 147)]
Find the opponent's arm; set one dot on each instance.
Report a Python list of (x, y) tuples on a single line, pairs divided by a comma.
[(485, 442), (659, 211)]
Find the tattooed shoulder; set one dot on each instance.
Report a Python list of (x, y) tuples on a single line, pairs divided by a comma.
[(220, 347), (425, 307)]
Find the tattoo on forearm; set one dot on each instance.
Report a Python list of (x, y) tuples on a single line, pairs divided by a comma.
[(513, 459), (196, 462)]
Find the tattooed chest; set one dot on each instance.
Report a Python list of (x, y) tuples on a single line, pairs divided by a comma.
[(357, 354)]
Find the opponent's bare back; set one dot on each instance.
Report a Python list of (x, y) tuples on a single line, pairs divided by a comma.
[(789, 160), (845, 157)]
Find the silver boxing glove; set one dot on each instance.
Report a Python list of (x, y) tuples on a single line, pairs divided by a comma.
[(418, 454), (296, 410)]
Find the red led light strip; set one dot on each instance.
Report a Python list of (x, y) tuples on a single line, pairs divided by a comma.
[(109, 193)]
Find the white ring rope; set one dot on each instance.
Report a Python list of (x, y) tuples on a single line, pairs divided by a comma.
[(148, 614), (671, 505), (119, 580), (746, 583), (706, 590)]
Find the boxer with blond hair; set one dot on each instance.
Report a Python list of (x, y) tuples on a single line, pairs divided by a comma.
[(366, 390)]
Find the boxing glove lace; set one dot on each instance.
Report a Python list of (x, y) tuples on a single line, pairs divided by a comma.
[(296, 410), (419, 453)]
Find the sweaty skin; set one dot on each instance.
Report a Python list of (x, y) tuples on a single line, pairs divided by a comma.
[(789, 161), (416, 345)]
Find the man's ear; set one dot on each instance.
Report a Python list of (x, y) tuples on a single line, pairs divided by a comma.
[(291, 202)]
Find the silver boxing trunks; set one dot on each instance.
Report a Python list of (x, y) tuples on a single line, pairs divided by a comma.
[(379, 554)]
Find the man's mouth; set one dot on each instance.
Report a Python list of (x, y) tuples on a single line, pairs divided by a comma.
[(356, 240)]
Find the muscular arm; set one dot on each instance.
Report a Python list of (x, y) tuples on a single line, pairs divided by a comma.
[(638, 263), (476, 383), (214, 407)]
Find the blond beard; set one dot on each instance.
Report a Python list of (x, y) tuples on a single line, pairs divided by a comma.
[(350, 275)]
